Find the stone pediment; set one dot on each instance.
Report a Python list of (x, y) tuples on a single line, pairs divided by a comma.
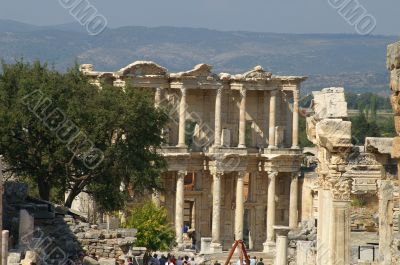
[(199, 71), (255, 74), (143, 69)]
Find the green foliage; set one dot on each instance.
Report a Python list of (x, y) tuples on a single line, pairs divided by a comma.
[(358, 202), (153, 230), (303, 140), (39, 147), (368, 101)]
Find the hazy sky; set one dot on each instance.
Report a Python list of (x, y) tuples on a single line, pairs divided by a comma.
[(292, 16)]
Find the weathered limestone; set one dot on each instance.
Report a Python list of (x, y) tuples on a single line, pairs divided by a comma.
[(293, 206), (242, 119), (332, 135), (182, 118), (305, 253), (281, 245), (295, 132), (4, 246), (218, 128), (239, 210), (385, 193), (272, 119), (269, 244), (26, 228), (216, 246), (179, 208)]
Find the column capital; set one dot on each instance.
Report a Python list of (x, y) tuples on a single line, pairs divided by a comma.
[(243, 92), (219, 90), (272, 174), (273, 92), (296, 94), (216, 173), (295, 175), (242, 174), (183, 91), (182, 173)]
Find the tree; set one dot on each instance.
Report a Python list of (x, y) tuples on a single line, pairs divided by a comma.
[(153, 229), (63, 133)]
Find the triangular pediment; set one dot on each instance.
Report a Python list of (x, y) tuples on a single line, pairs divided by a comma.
[(143, 68)]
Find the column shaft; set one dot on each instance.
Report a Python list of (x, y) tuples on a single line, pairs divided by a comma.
[(239, 211), (272, 119), (270, 242), (217, 133), (182, 119), (295, 131), (266, 114), (340, 233), (281, 250), (157, 97), (293, 208), (216, 214), (179, 207), (242, 119), (4, 246)]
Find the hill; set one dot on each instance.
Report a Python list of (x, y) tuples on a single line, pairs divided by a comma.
[(355, 62)]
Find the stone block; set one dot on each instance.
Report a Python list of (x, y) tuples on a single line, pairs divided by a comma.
[(15, 192), (26, 227), (395, 80), (334, 133), (397, 124), (90, 261), (378, 145), (396, 147), (103, 261), (205, 245), (393, 56), (330, 103)]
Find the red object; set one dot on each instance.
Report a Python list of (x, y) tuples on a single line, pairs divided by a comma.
[(243, 252)]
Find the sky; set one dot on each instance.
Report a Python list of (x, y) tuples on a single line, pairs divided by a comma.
[(282, 16)]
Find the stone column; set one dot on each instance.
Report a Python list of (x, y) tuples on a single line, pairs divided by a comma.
[(281, 245), (4, 247), (293, 208), (295, 129), (157, 97), (385, 194), (242, 119), (269, 244), (217, 130), (239, 210), (339, 231), (182, 119), (216, 246), (179, 207), (272, 119), (266, 114)]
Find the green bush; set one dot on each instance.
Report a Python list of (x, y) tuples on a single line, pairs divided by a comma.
[(153, 229)]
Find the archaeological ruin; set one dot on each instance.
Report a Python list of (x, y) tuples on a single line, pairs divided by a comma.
[(236, 172)]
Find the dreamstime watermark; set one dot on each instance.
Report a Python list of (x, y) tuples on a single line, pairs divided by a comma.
[(355, 14), (86, 14), (64, 129), (45, 248)]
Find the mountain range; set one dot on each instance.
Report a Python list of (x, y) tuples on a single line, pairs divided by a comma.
[(356, 62)]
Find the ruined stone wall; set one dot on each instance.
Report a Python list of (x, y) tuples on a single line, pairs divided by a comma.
[(53, 232)]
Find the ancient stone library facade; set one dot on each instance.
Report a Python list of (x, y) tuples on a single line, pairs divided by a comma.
[(232, 149)]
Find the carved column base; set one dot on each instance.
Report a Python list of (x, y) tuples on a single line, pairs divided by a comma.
[(269, 247), (216, 248)]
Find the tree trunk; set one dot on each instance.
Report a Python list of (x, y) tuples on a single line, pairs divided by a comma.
[(75, 190), (44, 189)]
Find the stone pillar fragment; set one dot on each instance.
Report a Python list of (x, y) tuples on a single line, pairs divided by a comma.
[(242, 119), (179, 208), (26, 228), (216, 246), (385, 194), (4, 247)]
